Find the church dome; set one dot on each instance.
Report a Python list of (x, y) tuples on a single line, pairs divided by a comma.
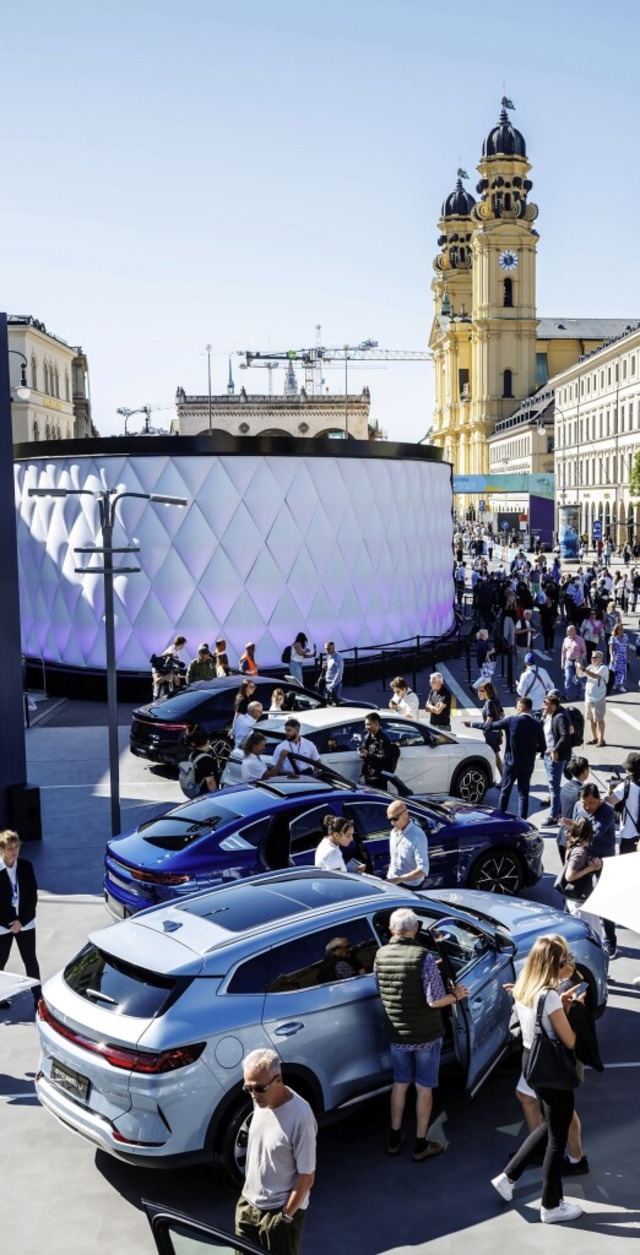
[(504, 140), (459, 204)]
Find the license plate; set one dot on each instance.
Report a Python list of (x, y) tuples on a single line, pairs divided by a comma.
[(114, 907), (72, 1082)]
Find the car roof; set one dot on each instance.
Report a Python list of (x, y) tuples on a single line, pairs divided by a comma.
[(272, 907), (326, 717)]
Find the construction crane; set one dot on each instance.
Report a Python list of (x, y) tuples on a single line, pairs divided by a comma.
[(147, 410), (313, 358)]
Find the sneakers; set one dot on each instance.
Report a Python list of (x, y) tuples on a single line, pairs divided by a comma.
[(578, 1169), (564, 1211), (395, 1143), (504, 1186), (426, 1150)]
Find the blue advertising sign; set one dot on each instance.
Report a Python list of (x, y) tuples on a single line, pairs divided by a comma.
[(505, 526), (597, 529)]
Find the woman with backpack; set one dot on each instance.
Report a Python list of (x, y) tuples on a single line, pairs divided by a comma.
[(297, 654), (198, 774)]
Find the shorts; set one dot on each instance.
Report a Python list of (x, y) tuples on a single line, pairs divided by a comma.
[(523, 1087), (595, 711), (420, 1066)]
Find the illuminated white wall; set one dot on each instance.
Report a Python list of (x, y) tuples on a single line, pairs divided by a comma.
[(355, 550)]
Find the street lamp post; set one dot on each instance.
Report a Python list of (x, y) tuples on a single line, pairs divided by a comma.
[(108, 500), (208, 348)]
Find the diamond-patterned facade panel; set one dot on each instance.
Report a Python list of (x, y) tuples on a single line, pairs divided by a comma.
[(357, 550)]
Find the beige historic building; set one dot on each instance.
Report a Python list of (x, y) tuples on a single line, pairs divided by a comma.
[(597, 436), (294, 413), (57, 376), (491, 351)]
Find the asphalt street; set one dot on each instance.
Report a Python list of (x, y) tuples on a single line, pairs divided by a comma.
[(62, 1196)]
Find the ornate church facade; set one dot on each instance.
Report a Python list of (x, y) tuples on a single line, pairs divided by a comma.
[(490, 349)]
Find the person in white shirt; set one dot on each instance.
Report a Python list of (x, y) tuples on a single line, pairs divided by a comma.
[(628, 794), (404, 701), (289, 760), (339, 835), (534, 682), (595, 694), (255, 765), (244, 724)]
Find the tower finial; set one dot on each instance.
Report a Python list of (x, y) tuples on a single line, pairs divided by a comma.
[(231, 387), (462, 174), (506, 103)]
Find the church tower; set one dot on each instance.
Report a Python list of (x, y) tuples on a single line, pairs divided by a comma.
[(483, 336), (451, 333), (503, 246)]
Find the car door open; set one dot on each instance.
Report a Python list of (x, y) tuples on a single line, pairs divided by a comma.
[(482, 960)]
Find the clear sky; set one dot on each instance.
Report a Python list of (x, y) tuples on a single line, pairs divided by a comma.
[(236, 172)]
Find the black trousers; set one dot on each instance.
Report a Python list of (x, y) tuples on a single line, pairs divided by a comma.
[(557, 1112), (521, 777), (26, 943)]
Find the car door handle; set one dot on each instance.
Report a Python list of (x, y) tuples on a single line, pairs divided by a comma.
[(287, 1030), (477, 1002)]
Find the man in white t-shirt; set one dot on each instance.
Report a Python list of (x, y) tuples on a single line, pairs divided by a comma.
[(403, 699), (595, 694), (534, 682), (281, 1159), (290, 759), (628, 793)]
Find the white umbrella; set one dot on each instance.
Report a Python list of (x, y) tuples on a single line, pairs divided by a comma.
[(617, 893)]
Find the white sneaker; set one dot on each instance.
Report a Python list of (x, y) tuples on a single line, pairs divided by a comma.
[(564, 1211), (504, 1186)]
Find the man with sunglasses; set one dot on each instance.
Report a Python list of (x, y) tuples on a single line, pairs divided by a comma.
[(281, 1159), (408, 849)]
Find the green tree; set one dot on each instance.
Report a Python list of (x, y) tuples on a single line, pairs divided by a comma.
[(634, 481)]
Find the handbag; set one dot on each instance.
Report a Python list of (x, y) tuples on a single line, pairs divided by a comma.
[(551, 1065)]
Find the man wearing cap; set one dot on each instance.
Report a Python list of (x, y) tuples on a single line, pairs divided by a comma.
[(534, 682), (248, 664), (595, 694), (203, 667)]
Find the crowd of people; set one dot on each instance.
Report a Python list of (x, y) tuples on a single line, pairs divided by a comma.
[(170, 673)]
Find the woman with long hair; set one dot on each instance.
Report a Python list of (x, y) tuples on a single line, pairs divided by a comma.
[(254, 764), (491, 710), (339, 834), (244, 696), (620, 654), (299, 653), (548, 965), (579, 870)]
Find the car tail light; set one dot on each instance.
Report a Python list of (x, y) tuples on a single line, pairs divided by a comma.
[(158, 878), (149, 1063), (170, 727), (130, 1141)]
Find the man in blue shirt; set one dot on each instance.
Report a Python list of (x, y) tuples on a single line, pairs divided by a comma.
[(333, 673), (408, 849)]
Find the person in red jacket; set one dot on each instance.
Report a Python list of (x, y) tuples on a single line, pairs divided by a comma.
[(18, 900)]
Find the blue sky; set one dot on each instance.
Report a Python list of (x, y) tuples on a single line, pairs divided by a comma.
[(236, 173)]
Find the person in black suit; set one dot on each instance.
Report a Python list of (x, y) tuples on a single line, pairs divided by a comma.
[(525, 739), (18, 900)]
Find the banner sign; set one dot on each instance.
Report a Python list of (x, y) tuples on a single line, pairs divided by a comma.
[(537, 485)]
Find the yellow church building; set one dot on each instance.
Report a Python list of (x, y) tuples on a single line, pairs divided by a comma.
[(490, 349)]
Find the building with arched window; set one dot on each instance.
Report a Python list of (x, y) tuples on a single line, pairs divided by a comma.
[(47, 414)]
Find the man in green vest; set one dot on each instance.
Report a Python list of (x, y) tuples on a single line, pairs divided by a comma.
[(412, 994)]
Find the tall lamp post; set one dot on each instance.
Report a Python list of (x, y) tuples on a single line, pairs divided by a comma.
[(108, 499), (208, 350), (13, 766)]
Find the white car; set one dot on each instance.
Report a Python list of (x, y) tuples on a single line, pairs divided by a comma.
[(431, 761)]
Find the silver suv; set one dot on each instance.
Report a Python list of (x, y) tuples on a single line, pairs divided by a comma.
[(144, 1031)]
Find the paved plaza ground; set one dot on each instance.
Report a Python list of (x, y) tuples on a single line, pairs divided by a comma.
[(71, 1199)]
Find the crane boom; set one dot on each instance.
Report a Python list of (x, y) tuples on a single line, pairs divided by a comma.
[(319, 353)]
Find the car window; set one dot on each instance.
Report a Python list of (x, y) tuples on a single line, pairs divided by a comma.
[(332, 954), (251, 977), (370, 818), (116, 986), (306, 831), (342, 736), (461, 944), (405, 733), (295, 700), (250, 836)]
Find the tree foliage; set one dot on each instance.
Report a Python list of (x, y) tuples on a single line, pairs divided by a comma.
[(634, 481)]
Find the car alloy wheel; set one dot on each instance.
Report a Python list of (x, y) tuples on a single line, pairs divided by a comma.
[(233, 1145), (498, 871), (471, 784)]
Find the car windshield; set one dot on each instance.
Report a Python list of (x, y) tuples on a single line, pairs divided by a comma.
[(183, 705), (117, 986), (241, 907)]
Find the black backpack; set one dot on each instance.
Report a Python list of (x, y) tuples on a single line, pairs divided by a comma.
[(577, 725), (286, 654), (162, 664), (393, 755)]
